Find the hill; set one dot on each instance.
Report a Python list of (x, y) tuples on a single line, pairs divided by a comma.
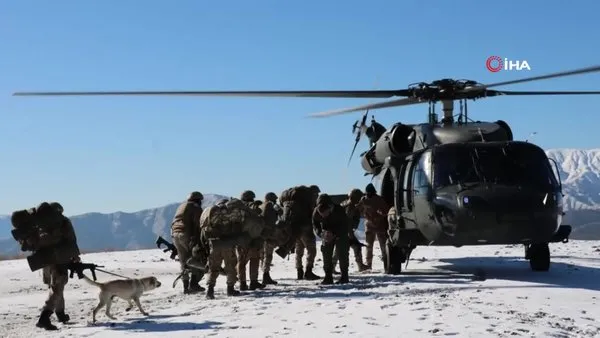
[(579, 171), (467, 292)]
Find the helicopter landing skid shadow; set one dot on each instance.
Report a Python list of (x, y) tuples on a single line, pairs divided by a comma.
[(560, 275)]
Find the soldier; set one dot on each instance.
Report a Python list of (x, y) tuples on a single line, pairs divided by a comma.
[(332, 225), (351, 207), (57, 276), (374, 209), (250, 255), (184, 231), (307, 240), (218, 255), (270, 213)]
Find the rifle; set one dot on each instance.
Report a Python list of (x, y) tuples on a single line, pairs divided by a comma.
[(80, 267), (169, 246)]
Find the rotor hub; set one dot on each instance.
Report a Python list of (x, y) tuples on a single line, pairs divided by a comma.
[(446, 90)]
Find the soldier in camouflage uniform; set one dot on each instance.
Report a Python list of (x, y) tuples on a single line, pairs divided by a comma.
[(185, 233), (221, 254), (332, 225), (270, 213), (375, 210), (251, 254), (57, 276), (307, 240), (351, 207)]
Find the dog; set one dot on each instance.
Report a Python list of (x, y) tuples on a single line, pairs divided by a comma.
[(128, 289)]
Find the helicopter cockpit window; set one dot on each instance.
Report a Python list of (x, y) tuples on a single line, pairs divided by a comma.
[(512, 165)]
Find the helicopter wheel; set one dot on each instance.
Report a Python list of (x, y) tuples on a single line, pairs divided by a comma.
[(394, 259), (539, 256)]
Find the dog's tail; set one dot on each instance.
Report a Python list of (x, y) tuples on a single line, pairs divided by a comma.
[(91, 282)]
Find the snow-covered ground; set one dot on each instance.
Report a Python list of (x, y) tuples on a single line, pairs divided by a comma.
[(442, 293)]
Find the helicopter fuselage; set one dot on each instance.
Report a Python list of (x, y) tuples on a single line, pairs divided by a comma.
[(465, 185)]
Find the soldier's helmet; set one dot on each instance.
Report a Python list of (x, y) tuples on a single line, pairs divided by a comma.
[(315, 189), (270, 196), (324, 200), (355, 194), (57, 206), (248, 196), (196, 196), (370, 189)]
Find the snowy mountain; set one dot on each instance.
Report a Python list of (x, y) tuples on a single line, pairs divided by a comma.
[(115, 231), (579, 172), (479, 291)]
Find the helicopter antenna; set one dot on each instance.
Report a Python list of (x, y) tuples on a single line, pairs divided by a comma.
[(530, 136)]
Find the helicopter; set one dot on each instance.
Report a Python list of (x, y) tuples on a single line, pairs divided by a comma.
[(449, 182)]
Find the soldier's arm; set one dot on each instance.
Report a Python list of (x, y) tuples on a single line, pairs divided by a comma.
[(69, 236), (317, 225), (189, 220)]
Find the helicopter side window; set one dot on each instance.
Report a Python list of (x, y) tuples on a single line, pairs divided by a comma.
[(422, 174)]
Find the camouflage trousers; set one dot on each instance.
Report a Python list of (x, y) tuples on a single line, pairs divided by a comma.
[(370, 237), (267, 256), (249, 256), (341, 247), (217, 256), (357, 250), (184, 252), (56, 277), (306, 240)]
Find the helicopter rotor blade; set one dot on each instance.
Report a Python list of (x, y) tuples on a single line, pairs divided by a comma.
[(359, 133), (585, 70), (379, 105), (505, 92), (274, 93)]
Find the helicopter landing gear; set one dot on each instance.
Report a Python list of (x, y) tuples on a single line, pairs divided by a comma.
[(395, 257), (539, 256)]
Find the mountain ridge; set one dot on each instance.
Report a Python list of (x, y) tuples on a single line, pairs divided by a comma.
[(579, 170)]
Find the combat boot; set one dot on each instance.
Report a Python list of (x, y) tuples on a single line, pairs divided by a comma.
[(44, 321), (195, 285), (309, 275), (267, 279), (231, 291), (186, 287), (328, 278), (362, 267), (300, 273), (343, 278), (210, 293), (254, 284), (62, 316), (243, 286)]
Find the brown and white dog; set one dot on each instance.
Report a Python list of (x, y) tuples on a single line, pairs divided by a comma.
[(128, 289)]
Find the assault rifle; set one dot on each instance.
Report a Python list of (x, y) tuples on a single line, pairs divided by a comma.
[(169, 246), (78, 268)]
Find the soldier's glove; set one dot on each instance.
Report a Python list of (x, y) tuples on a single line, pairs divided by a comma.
[(328, 236)]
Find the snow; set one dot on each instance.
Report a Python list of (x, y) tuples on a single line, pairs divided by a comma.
[(468, 292)]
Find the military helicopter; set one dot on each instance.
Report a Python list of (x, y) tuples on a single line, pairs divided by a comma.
[(451, 183)]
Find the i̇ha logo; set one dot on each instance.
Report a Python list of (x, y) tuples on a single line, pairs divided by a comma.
[(495, 64)]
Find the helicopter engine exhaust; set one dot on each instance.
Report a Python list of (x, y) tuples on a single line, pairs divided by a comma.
[(394, 142)]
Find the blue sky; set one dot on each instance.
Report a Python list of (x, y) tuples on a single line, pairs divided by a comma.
[(128, 153)]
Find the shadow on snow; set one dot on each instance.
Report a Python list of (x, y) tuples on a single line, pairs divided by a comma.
[(148, 324), (561, 275)]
